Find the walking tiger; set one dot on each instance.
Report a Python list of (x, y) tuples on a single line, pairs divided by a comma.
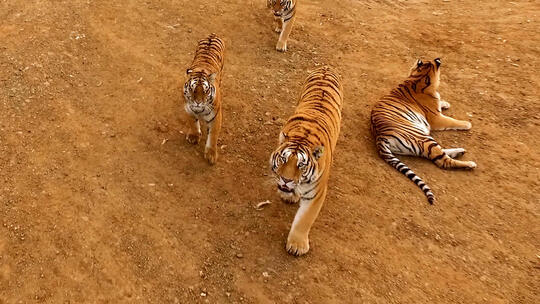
[(202, 94), (284, 15), (303, 158)]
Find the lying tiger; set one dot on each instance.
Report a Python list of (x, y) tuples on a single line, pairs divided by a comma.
[(284, 15), (401, 123), (202, 94), (304, 156)]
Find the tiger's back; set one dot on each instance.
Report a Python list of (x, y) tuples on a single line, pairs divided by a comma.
[(209, 55), (394, 112), (319, 107)]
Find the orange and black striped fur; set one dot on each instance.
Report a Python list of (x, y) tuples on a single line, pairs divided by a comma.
[(401, 123), (284, 15), (303, 158), (202, 94)]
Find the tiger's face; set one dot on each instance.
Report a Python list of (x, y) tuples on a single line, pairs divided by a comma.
[(279, 6), (199, 92), (295, 166), (426, 75)]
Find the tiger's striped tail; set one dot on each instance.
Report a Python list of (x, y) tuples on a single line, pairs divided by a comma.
[(383, 148)]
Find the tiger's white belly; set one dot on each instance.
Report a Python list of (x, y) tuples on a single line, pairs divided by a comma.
[(423, 127), (401, 148), (403, 145)]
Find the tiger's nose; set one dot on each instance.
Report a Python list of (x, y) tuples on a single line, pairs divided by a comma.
[(286, 180)]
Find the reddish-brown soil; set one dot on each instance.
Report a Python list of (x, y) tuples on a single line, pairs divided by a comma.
[(103, 201)]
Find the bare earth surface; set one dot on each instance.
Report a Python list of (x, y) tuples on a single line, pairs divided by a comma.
[(103, 201)]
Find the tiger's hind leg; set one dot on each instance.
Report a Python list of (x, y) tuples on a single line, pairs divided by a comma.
[(454, 152), (434, 152)]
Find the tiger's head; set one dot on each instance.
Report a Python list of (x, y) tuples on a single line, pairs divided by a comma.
[(199, 92), (425, 76), (279, 6), (296, 165)]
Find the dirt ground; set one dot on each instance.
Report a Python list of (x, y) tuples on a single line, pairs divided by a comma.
[(103, 201)]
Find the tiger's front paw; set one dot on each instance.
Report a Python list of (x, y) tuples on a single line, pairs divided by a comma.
[(460, 125), (471, 165), (297, 245), (458, 153), (211, 155), (277, 29), (289, 198), (193, 138), (445, 105), (281, 46)]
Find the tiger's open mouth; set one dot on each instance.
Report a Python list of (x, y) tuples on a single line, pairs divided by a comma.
[(284, 188)]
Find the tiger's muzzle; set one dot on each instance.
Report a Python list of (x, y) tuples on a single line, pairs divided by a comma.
[(286, 185), (197, 109)]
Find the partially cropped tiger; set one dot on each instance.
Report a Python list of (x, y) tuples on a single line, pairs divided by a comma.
[(202, 94), (284, 15), (401, 123), (303, 158)]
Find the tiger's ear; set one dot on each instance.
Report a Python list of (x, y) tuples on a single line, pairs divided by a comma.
[(318, 152), (189, 71), (212, 77), (437, 62), (282, 137), (417, 63)]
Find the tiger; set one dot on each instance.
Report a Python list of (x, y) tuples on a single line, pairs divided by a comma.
[(301, 163), (284, 15), (402, 120), (202, 94)]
